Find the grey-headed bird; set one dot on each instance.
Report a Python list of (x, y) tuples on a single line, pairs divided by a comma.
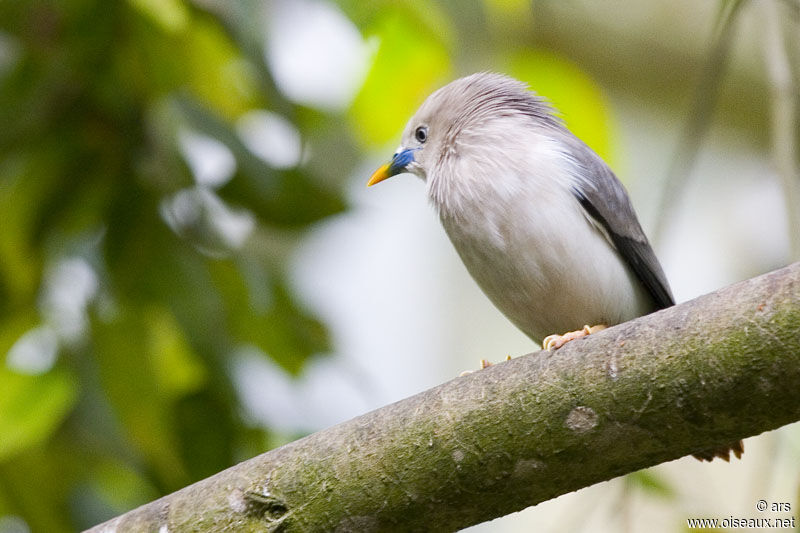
[(541, 223)]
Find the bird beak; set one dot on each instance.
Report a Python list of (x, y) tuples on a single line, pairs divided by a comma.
[(397, 165)]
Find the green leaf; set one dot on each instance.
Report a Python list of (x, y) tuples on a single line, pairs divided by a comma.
[(177, 369), (36, 485), (517, 8), (14, 326), (26, 183), (409, 64), (207, 448), (579, 100), (283, 198), (32, 407), (281, 329), (171, 15), (219, 76), (430, 18), (119, 486), (132, 386), (295, 199), (651, 482)]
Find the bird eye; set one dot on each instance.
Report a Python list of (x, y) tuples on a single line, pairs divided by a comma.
[(421, 134)]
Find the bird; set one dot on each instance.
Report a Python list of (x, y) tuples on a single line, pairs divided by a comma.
[(540, 221)]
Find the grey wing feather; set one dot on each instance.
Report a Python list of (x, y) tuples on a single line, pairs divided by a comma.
[(604, 198)]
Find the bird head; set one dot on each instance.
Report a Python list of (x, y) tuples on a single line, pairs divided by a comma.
[(421, 140), (469, 110)]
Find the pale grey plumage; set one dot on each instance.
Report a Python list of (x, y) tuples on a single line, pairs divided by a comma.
[(540, 221)]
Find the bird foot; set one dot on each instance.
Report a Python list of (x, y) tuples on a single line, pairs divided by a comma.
[(484, 364), (723, 453), (554, 342)]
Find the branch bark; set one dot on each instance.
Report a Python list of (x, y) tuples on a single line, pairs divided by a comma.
[(692, 377)]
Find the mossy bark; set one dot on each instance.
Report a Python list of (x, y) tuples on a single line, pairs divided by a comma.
[(689, 378)]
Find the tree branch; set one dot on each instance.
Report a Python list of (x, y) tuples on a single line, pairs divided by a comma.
[(689, 378)]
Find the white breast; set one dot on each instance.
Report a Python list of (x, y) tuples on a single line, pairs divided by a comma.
[(526, 240)]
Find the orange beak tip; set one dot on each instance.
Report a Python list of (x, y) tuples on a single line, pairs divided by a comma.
[(379, 175)]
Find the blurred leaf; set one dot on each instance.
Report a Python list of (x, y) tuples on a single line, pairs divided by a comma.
[(511, 7), (176, 367), (409, 64), (283, 198), (37, 486), (579, 100), (430, 18), (206, 447), (295, 199), (92, 105), (651, 482), (171, 15), (332, 147), (119, 487), (363, 14), (289, 334), (32, 407), (133, 389), (195, 56), (25, 183), (11, 329), (509, 17), (280, 329), (152, 62), (219, 74)]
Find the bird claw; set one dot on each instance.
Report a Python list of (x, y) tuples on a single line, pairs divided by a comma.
[(723, 453), (485, 363), (554, 342)]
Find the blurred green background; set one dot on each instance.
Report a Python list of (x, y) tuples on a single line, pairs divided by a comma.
[(163, 162)]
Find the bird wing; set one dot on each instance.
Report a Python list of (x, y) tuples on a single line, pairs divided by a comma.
[(606, 203)]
